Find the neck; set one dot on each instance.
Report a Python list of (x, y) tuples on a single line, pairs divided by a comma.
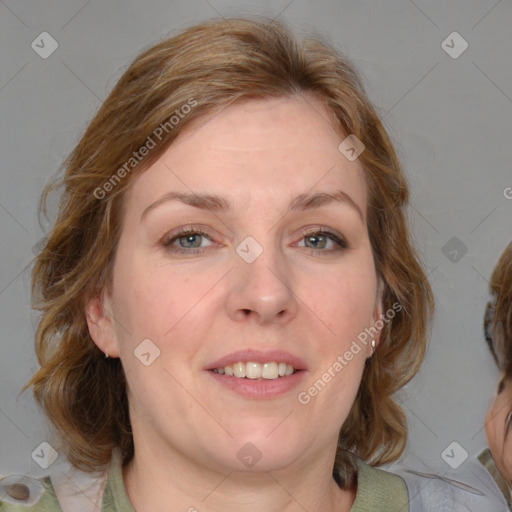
[(153, 484)]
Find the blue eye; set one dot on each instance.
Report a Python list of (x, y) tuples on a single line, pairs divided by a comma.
[(190, 241), (319, 239)]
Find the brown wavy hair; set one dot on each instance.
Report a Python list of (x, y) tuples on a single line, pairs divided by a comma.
[(498, 314), (213, 64)]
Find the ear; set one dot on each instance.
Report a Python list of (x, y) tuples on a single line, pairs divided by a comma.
[(101, 324)]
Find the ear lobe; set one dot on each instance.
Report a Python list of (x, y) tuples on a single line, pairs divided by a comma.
[(101, 326)]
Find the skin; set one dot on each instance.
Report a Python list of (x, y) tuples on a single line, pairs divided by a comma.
[(499, 442), (199, 307)]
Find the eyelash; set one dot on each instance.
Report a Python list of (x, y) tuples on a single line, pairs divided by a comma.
[(190, 230)]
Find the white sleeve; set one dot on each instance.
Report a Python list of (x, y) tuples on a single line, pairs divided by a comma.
[(471, 489), (78, 491)]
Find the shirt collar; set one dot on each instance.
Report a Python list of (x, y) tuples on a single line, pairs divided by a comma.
[(376, 489)]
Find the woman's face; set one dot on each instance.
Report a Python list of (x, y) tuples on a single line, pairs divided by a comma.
[(251, 279)]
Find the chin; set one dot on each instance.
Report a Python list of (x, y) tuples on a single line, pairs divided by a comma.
[(258, 451)]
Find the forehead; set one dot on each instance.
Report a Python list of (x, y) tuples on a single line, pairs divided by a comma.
[(265, 150)]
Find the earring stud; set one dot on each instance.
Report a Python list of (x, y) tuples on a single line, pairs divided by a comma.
[(373, 346)]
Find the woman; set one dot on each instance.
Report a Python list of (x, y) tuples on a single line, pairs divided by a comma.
[(229, 295)]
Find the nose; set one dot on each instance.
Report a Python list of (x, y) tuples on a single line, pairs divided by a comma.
[(262, 290)]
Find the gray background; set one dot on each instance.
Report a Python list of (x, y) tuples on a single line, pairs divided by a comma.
[(451, 121)]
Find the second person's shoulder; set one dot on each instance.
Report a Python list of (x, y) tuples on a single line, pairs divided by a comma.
[(470, 489), (19, 493)]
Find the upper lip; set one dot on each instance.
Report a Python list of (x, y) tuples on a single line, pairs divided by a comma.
[(257, 356)]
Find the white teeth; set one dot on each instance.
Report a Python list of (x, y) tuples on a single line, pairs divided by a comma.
[(270, 371), (252, 370), (239, 369)]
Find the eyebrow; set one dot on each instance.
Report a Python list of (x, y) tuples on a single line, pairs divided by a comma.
[(215, 203)]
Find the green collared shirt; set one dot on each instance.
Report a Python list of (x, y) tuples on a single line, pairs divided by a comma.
[(377, 490)]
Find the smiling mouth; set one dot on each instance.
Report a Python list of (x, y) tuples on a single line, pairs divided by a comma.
[(255, 371)]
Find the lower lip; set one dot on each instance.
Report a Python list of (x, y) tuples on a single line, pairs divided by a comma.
[(260, 389)]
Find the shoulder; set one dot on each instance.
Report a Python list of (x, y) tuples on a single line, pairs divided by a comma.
[(378, 489), (466, 489), (487, 461), (22, 493), (66, 489)]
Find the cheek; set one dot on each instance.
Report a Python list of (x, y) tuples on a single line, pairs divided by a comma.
[(508, 452), (149, 299), (139, 308), (173, 309), (346, 303)]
